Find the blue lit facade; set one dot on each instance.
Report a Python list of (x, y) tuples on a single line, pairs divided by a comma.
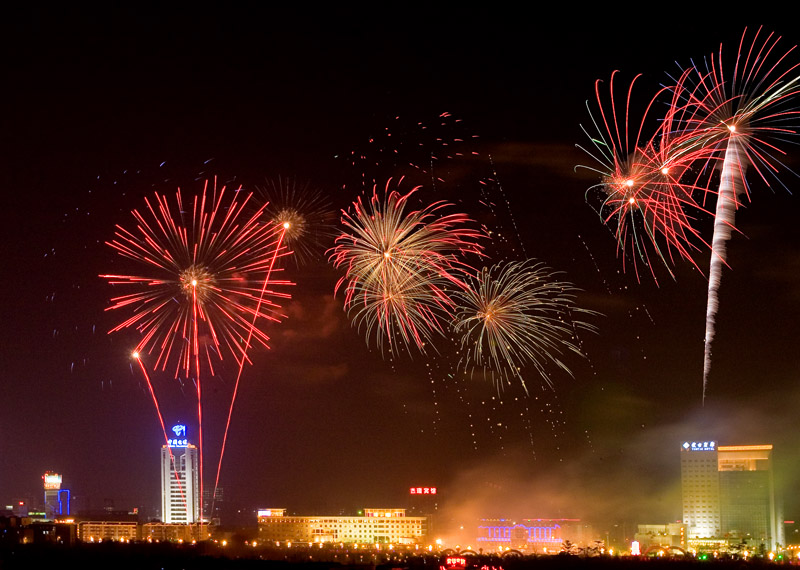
[(63, 502), (542, 535)]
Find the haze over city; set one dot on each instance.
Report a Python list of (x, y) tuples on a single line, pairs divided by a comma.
[(104, 109)]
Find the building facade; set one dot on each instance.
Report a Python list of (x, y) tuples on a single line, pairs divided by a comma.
[(729, 493), (162, 532), (180, 480), (661, 536), (700, 489), (56, 499), (377, 526), (96, 531), (544, 536)]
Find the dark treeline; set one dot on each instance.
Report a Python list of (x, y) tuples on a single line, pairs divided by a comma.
[(165, 556)]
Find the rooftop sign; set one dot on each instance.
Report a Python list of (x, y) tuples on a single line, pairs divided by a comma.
[(700, 445), (180, 440)]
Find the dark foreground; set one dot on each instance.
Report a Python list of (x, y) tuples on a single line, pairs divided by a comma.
[(173, 557)]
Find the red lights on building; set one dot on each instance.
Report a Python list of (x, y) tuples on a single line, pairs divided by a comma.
[(422, 490)]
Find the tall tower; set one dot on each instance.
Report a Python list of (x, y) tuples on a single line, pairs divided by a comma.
[(180, 488), (52, 486), (700, 489)]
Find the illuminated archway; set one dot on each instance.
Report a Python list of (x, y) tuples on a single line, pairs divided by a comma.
[(513, 553), (667, 550)]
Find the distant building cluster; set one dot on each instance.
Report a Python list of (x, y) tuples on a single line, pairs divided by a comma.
[(115, 527), (729, 504)]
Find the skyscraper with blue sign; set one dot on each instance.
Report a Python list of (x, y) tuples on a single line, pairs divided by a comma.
[(729, 494), (180, 479)]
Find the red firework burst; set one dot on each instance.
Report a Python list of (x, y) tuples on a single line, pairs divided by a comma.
[(644, 197), (204, 281)]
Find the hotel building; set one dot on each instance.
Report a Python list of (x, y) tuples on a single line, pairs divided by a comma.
[(729, 494)]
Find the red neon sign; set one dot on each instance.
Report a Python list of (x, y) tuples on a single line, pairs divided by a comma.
[(422, 490)]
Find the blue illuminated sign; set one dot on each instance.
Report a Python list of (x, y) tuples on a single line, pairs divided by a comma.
[(179, 430), (700, 446)]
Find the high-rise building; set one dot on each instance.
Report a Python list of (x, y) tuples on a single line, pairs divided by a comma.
[(56, 499), (180, 480), (700, 489), (729, 493)]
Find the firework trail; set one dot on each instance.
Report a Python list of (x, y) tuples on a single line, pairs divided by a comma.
[(400, 266), (207, 268), (515, 314), (736, 121), (247, 343), (138, 359), (643, 198)]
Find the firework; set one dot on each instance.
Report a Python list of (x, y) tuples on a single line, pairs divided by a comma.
[(204, 263), (643, 198), (736, 121), (305, 213), (513, 315), (400, 266)]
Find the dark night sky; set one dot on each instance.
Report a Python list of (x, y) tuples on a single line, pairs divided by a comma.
[(95, 102)]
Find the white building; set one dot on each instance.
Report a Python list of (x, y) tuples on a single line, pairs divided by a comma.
[(700, 489), (180, 480)]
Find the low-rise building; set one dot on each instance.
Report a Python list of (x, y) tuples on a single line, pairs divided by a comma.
[(163, 532), (532, 535), (95, 531), (376, 526), (661, 535)]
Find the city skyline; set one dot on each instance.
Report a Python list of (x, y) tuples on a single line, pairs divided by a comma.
[(102, 118)]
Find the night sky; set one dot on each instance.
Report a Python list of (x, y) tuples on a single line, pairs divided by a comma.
[(103, 109)]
